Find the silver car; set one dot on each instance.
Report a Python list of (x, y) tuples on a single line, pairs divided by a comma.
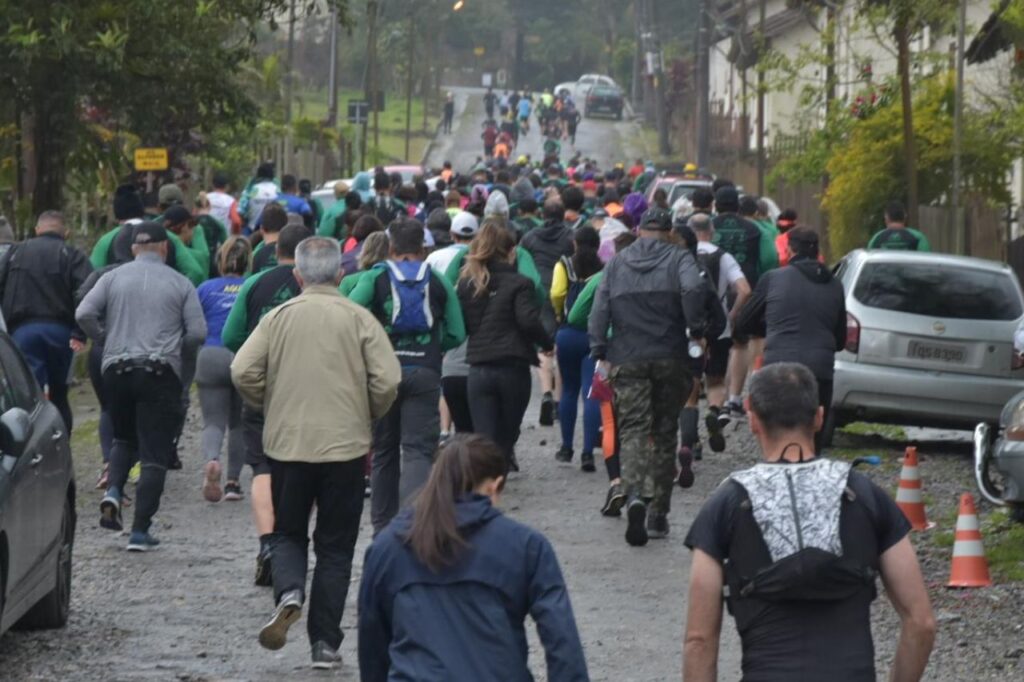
[(929, 340)]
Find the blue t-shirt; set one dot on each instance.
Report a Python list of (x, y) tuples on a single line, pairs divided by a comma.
[(291, 204), (524, 108), (217, 296)]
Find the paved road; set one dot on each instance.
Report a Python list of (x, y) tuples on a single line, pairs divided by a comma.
[(604, 139)]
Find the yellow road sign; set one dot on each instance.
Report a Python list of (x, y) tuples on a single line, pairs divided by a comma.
[(151, 159)]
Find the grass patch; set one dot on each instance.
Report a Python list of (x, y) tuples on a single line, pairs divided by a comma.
[(313, 104), (1004, 546), (887, 431)]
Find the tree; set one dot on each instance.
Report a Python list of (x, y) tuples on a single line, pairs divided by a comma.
[(163, 71)]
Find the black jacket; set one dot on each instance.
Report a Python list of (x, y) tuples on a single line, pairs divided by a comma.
[(800, 310), (505, 324), (547, 244), (654, 296), (38, 281)]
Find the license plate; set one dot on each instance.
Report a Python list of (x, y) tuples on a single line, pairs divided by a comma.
[(938, 352)]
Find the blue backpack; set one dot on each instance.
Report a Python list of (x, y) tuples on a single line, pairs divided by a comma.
[(410, 297)]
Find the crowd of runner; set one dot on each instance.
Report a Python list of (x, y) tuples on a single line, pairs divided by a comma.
[(336, 348)]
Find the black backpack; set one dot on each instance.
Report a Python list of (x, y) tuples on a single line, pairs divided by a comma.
[(576, 286)]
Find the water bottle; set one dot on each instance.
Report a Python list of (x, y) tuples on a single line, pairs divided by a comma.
[(696, 350)]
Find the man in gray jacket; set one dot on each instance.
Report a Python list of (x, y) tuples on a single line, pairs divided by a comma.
[(652, 294), (145, 314)]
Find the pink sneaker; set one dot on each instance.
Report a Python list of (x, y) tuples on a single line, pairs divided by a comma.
[(211, 485)]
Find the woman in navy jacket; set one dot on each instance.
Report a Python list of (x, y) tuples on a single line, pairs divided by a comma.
[(446, 587)]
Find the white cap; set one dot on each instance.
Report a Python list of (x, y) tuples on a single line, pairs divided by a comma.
[(465, 224)]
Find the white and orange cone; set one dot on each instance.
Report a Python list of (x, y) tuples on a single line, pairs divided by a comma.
[(970, 568), (908, 495)]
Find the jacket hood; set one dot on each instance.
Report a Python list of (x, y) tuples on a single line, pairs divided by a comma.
[(361, 184), (812, 270), (550, 231), (497, 204), (646, 254), (471, 512), (522, 190)]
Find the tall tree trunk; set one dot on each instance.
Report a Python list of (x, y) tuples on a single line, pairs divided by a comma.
[(49, 130), (901, 32)]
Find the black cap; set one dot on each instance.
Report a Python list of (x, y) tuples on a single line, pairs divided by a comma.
[(727, 199), (177, 215), (148, 232), (656, 219)]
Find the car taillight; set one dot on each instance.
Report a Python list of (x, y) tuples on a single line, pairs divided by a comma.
[(852, 334)]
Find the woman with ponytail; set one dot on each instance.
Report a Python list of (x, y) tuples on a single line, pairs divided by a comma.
[(503, 321), (447, 587), (220, 402)]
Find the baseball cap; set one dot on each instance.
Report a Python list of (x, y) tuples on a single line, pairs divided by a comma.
[(589, 185), (656, 219), (465, 224), (177, 215), (170, 194), (148, 232)]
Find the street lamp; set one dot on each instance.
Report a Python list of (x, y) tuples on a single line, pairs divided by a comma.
[(458, 5)]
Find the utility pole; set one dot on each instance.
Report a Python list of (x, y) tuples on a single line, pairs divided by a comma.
[(332, 77), (371, 73), (761, 49), (703, 78), (658, 81), (638, 54), (958, 123), (411, 62), (288, 85)]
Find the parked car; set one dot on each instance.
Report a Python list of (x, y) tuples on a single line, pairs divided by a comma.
[(578, 89), (1000, 450), (604, 98), (325, 192), (929, 340), (37, 501)]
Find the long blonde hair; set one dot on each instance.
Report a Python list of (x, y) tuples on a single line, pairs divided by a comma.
[(234, 256), (492, 243)]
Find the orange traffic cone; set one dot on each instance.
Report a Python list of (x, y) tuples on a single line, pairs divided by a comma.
[(908, 495), (970, 568)]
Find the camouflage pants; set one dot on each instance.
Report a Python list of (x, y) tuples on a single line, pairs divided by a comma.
[(648, 396)]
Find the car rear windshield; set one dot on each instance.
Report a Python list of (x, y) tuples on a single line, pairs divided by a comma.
[(939, 291)]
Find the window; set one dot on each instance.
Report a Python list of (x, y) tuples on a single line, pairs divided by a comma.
[(938, 291), (18, 386)]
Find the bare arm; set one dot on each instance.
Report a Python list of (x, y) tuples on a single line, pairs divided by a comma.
[(901, 575), (743, 292), (703, 619)]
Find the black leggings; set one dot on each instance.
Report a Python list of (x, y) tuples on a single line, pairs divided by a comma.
[(456, 395), (498, 398)]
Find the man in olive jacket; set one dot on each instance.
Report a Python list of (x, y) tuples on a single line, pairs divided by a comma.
[(321, 368)]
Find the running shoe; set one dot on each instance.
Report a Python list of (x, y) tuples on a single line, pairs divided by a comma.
[(657, 526), (716, 439), (142, 542), (698, 451), (264, 576), (134, 473), (636, 516), (233, 491), (685, 477), (614, 502), (564, 455), (104, 477), (175, 464), (513, 463), (110, 511), (587, 462), (735, 410), (211, 482), (547, 410), (274, 634), (324, 657)]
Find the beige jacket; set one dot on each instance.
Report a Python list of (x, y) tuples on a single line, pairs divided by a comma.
[(321, 368)]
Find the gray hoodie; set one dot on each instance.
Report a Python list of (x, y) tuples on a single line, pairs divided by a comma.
[(650, 294)]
